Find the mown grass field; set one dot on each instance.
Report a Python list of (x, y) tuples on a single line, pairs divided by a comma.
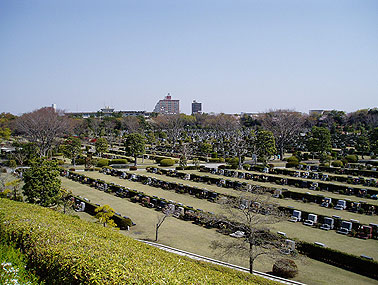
[(193, 238)]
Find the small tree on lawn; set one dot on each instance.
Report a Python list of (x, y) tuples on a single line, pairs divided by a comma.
[(251, 215), (135, 145), (71, 148), (167, 212), (65, 200), (15, 186), (42, 183), (101, 145), (104, 214)]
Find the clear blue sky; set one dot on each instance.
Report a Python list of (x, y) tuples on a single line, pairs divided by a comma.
[(233, 56)]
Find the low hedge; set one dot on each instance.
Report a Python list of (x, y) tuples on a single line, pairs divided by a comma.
[(118, 161), (337, 163), (340, 259), (65, 250), (102, 162), (167, 162)]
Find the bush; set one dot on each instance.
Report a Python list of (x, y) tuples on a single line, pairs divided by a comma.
[(80, 161), (233, 161), (123, 223), (167, 162), (246, 166), (337, 163), (119, 161), (133, 168), (325, 157), (215, 160), (12, 163), (112, 258), (285, 268), (102, 162), (352, 158), (292, 164), (5, 194), (159, 158), (306, 156), (292, 161)]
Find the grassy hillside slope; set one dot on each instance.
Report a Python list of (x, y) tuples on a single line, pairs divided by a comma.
[(66, 250)]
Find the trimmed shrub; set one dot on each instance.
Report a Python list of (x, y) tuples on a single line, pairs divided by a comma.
[(80, 161), (306, 156), (337, 163), (57, 246), (292, 161), (122, 223), (285, 268), (351, 158), (167, 162), (102, 162), (233, 161), (12, 163), (119, 161), (159, 158)]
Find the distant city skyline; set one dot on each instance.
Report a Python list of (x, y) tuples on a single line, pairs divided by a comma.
[(232, 56)]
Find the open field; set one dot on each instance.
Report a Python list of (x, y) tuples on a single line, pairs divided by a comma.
[(190, 237)]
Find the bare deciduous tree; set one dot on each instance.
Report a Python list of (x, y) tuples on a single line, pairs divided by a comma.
[(130, 124), (43, 127), (173, 124), (284, 124), (250, 218), (167, 212)]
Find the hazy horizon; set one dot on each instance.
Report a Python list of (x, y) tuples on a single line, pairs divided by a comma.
[(232, 56)]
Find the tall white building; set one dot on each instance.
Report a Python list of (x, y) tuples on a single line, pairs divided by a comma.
[(167, 106)]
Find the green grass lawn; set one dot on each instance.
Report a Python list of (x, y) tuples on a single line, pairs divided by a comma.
[(193, 238)]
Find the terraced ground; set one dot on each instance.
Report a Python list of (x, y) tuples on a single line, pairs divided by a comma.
[(310, 207), (190, 237), (291, 188), (296, 230)]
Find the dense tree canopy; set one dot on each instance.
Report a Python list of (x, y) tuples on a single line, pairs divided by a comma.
[(42, 183), (135, 145), (43, 127)]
